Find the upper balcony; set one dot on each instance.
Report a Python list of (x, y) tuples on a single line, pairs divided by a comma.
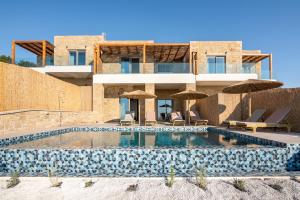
[(143, 62), (217, 72)]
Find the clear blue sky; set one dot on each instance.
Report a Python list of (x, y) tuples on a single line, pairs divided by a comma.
[(270, 25)]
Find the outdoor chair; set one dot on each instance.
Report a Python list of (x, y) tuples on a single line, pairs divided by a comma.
[(275, 120)]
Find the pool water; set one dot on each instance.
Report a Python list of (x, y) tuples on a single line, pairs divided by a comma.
[(83, 140)]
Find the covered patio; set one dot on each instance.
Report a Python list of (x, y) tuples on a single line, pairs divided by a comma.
[(145, 54), (41, 48)]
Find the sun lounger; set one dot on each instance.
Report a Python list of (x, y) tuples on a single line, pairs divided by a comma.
[(195, 118), (256, 115), (176, 119), (150, 119), (128, 119), (273, 121)]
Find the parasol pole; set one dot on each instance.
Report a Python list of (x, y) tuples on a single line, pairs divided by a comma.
[(166, 110), (189, 120), (139, 112), (249, 104)]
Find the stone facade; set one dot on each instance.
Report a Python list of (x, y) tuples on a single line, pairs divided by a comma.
[(220, 107), (30, 120), (63, 44)]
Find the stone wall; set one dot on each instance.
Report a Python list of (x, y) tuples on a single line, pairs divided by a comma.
[(220, 107), (23, 88), (29, 120), (278, 98), (63, 44)]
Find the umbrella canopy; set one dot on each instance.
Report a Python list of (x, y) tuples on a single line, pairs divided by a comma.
[(251, 85), (189, 95), (165, 105), (138, 94)]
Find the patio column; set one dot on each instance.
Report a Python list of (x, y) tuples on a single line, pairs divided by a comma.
[(13, 52), (150, 103), (98, 100)]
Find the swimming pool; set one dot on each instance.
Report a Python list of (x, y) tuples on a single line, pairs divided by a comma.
[(90, 151), (100, 139)]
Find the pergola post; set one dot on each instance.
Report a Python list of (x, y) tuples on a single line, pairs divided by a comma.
[(44, 44), (144, 53), (99, 63), (95, 61), (144, 57), (194, 63), (270, 66), (13, 52)]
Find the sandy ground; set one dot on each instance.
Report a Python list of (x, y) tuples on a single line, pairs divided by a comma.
[(148, 188)]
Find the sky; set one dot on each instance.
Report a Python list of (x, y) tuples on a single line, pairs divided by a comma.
[(272, 26)]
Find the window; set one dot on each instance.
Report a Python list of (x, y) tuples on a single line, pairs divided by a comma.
[(216, 64), (130, 65), (77, 57)]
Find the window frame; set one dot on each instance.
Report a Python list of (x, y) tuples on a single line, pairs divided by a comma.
[(77, 51), (215, 63)]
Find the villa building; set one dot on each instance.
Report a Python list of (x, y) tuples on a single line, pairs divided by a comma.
[(110, 68)]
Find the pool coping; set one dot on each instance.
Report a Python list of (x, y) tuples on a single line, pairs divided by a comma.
[(267, 143)]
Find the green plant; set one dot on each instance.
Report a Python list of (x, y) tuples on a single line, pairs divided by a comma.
[(201, 179), (239, 184), (54, 180), (89, 183), (26, 63), (132, 187), (14, 180), (4, 58), (294, 178), (276, 187), (171, 179)]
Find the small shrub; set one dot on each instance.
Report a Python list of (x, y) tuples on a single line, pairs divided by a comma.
[(171, 178), (54, 180), (201, 179), (132, 188), (14, 180), (294, 178), (89, 183), (239, 184), (276, 187)]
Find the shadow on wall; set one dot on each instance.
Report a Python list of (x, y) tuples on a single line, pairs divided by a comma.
[(220, 107)]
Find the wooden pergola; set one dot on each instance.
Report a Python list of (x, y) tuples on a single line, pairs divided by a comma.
[(159, 52), (255, 58), (41, 48)]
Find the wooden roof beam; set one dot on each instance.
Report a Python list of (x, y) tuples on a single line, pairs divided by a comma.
[(48, 51), (176, 53), (31, 49)]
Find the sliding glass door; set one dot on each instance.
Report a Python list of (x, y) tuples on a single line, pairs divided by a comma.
[(164, 109), (216, 64), (130, 65)]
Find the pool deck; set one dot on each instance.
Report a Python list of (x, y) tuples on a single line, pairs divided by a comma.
[(279, 136)]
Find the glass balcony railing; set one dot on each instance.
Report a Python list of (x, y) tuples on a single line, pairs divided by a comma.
[(227, 68), (165, 68), (33, 61), (145, 68)]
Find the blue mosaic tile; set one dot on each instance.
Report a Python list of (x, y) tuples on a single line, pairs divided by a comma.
[(218, 161)]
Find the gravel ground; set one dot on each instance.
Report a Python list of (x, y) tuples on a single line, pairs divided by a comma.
[(148, 188)]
